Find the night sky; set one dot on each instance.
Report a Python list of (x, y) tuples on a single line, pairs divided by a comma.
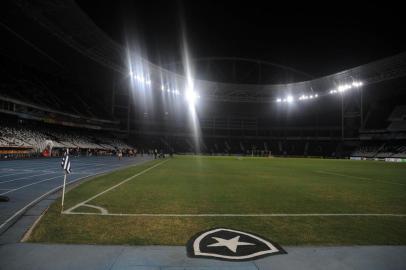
[(317, 39)]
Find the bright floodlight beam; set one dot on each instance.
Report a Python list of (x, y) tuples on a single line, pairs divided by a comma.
[(190, 93), (191, 97)]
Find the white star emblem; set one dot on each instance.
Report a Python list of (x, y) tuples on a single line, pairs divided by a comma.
[(231, 244)]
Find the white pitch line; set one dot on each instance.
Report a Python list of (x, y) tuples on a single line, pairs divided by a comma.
[(33, 202), (362, 178), (26, 177), (102, 210), (237, 215), (117, 185)]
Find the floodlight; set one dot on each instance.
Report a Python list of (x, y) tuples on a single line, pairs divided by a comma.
[(357, 84), (289, 99), (191, 97), (278, 100)]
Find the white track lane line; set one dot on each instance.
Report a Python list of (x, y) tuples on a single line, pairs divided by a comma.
[(361, 178), (21, 172), (87, 165), (24, 171), (238, 215), (33, 202), (115, 186), (26, 177), (38, 182), (84, 163)]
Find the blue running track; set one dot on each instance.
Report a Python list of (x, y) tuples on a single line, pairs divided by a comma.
[(25, 181)]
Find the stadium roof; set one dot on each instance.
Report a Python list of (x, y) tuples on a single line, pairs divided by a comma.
[(69, 26)]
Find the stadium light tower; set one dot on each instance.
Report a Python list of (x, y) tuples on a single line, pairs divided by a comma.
[(351, 107)]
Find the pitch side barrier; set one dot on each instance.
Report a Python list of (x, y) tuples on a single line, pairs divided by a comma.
[(265, 156), (398, 160)]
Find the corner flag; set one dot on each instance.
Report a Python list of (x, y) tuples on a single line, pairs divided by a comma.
[(65, 164)]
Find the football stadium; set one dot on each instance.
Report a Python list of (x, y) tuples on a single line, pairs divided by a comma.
[(201, 135)]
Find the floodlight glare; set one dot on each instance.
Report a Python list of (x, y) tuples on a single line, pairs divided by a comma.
[(289, 99), (357, 84), (278, 100), (191, 97)]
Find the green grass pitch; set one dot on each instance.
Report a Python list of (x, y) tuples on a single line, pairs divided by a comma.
[(233, 186)]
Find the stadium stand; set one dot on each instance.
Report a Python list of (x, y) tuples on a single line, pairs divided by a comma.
[(64, 113), (32, 140), (398, 119)]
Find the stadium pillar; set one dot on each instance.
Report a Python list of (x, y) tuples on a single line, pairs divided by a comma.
[(113, 92), (128, 115), (361, 108), (342, 117)]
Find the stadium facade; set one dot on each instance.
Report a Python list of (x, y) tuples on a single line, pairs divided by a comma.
[(105, 97)]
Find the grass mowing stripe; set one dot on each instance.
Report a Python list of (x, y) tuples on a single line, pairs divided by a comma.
[(289, 189), (113, 187), (362, 178), (229, 215)]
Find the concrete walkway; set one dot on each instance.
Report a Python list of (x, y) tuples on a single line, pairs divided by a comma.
[(22, 256)]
